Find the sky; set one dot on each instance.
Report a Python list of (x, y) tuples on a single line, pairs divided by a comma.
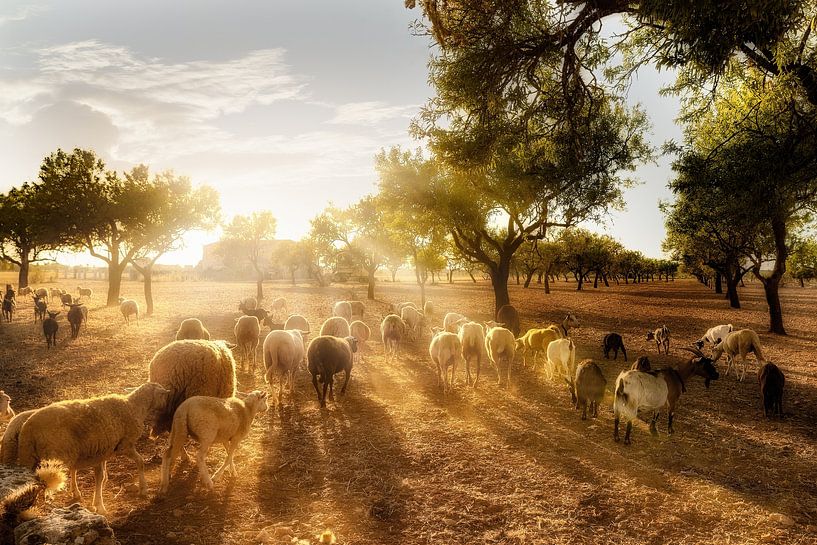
[(279, 105)]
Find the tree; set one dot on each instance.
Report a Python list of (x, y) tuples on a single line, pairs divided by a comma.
[(292, 256), (92, 209), (173, 207), (802, 264), (243, 239), (25, 232)]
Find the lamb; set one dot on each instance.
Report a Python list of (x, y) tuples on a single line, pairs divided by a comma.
[(613, 342), (77, 313), (211, 420), (472, 339), (508, 317), (661, 338), (85, 292), (11, 437), (739, 342), (771, 381), (55, 293), (445, 350), (248, 303), (128, 308), (326, 356), (8, 309), (50, 328), (40, 307), (428, 309), (561, 355), (190, 368), (360, 331), (283, 352), (642, 364), (358, 308), (589, 386), (263, 317), (247, 330), (536, 341), (87, 432), (714, 335), (192, 329), (66, 299), (415, 321), (500, 344), (392, 330), (279, 307), (453, 321), (335, 326), (342, 309)]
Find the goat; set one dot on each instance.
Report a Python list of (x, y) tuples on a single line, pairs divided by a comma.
[(661, 338), (642, 364), (771, 381), (613, 342), (714, 335), (739, 342)]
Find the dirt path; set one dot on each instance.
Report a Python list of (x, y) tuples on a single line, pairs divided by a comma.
[(396, 461)]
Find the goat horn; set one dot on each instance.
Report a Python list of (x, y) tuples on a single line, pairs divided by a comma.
[(693, 350)]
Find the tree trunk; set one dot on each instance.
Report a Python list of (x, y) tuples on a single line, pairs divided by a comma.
[(115, 271), (22, 277), (393, 276), (370, 290), (580, 280), (259, 289), (606, 283), (718, 282), (528, 279), (471, 274), (292, 276), (596, 280), (499, 280), (771, 288), (516, 274), (802, 285), (147, 275)]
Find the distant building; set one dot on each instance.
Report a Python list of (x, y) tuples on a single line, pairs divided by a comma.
[(214, 265)]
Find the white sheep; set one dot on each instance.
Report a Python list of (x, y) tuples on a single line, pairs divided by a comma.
[(392, 330), (87, 432), (192, 329), (283, 351), (445, 350), (11, 437), (453, 321), (247, 304), (6, 412), (342, 309), (279, 307), (428, 309), (472, 339), (739, 343), (398, 307), (85, 292), (191, 368), (296, 321), (128, 308), (714, 335), (211, 420), (500, 345), (360, 331), (335, 326), (246, 330), (415, 321), (561, 355)]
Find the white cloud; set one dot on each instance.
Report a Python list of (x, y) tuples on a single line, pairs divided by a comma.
[(370, 113), (22, 13)]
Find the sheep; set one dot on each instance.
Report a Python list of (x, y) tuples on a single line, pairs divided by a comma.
[(445, 350), (358, 308), (360, 331), (211, 420), (589, 386), (85, 292), (283, 352), (296, 321), (415, 321), (54, 293), (652, 391), (398, 307), (87, 432), (500, 344), (661, 338), (128, 307), (392, 330), (739, 342), (192, 329), (472, 340), (642, 364), (50, 328), (428, 309), (714, 335), (771, 381), (11, 437), (40, 308), (248, 303), (561, 355), (536, 341), (453, 321), (26, 290), (508, 317), (263, 317), (342, 309), (279, 307), (335, 326), (6, 412), (77, 313), (66, 299), (8, 309), (613, 342), (326, 356), (190, 368), (42, 293), (247, 330)]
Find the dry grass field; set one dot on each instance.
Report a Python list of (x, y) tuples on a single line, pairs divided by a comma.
[(395, 462)]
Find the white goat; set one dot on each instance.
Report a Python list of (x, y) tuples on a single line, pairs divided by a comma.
[(714, 335), (739, 342), (500, 344), (661, 338), (445, 350), (561, 355)]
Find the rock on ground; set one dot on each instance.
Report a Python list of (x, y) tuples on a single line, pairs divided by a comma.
[(73, 525)]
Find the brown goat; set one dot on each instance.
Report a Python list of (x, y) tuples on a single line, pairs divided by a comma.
[(771, 380), (589, 387)]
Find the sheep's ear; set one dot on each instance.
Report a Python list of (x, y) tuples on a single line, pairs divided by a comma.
[(129, 389), (231, 346)]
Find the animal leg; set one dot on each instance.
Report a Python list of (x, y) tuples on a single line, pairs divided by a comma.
[(479, 367), (75, 494), (629, 431), (201, 460), (653, 425), (346, 381), (616, 436), (583, 404), (99, 481), (453, 372), (227, 460), (317, 391), (133, 454)]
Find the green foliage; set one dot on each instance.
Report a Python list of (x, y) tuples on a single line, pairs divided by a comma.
[(244, 235), (802, 263)]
